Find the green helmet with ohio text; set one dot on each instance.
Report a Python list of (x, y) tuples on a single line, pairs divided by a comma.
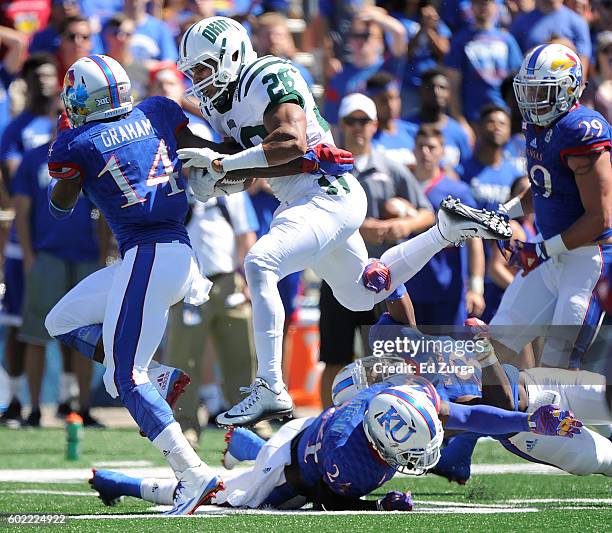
[(221, 44), (96, 87), (548, 83)]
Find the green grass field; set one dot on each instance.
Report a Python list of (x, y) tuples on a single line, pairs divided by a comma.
[(33, 467)]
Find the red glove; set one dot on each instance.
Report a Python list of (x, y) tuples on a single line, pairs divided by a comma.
[(525, 255), (327, 159)]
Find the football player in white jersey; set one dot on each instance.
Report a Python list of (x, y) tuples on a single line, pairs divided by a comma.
[(265, 106)]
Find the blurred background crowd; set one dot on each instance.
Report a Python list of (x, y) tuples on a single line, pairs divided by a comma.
[(419, 90)]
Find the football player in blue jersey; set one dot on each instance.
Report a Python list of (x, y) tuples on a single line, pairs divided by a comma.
[(348, 451), (568, 160), (123, 158), (463, 373)]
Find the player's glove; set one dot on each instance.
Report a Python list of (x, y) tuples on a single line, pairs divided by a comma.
[(201, 158), (554, 421), (525, 255), (327, 159), (202, 183), (395, 501)]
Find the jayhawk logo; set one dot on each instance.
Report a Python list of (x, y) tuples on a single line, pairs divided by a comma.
[(77, 97), (568, 63)]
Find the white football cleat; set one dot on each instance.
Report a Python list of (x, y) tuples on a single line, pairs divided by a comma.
[(458, 222), (262, 403), (195, 487), (170, 382)]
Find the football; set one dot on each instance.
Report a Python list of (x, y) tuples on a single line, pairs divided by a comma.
[(227, 186)]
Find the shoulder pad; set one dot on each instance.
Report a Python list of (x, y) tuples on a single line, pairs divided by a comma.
[(272, 79)]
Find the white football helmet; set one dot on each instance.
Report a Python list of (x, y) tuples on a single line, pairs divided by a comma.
[(403, 426), (364, 372), (96, 87), (221, 44), (548, 83)]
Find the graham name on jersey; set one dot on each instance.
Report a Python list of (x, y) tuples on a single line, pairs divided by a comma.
[(127, 132)]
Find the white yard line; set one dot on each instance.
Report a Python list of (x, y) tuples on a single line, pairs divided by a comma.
[(67, 475)]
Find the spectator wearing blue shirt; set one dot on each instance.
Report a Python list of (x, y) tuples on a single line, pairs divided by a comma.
[(28, 130), (488, 173), (514, 150), (428, 41), (451, 285), (271, 36), (75, 42), (435, 99), (152, 40), (549, 20), (16, 44), (499, 273), (117, 36), (481, 57), (48, 39), (367, 57), (57, 254), (394, 136)]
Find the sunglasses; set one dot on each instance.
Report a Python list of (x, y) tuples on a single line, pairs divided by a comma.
[(360, 36), (73, 36), (351, 121), (118, 32)]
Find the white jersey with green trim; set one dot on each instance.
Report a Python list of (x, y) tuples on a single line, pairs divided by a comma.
[(270, 81)]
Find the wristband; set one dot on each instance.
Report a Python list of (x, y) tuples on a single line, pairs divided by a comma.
[(487, 357), (250, 158), (476, 284), (555, 245), (514, 208)]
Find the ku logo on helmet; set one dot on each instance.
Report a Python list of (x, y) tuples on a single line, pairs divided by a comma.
[(396, 428)]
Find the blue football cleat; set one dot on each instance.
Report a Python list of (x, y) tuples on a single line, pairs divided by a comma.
[(108, 485)]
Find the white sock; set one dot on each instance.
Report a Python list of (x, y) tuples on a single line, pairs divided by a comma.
[(176, 449), (407, 258), (160, 491), (268, 322), (16, 387), (68, 387)]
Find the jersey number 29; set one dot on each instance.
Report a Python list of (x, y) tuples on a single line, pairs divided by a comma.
[(154, 178)]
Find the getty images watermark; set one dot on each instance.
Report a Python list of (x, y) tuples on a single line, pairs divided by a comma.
[(427, 355)]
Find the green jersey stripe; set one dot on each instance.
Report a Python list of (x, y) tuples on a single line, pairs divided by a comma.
[(246, 71)]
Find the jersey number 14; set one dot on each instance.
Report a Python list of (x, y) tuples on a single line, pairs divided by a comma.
[(154, 178)]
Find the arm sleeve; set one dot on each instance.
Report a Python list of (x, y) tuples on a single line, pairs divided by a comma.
[(485, 419)]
